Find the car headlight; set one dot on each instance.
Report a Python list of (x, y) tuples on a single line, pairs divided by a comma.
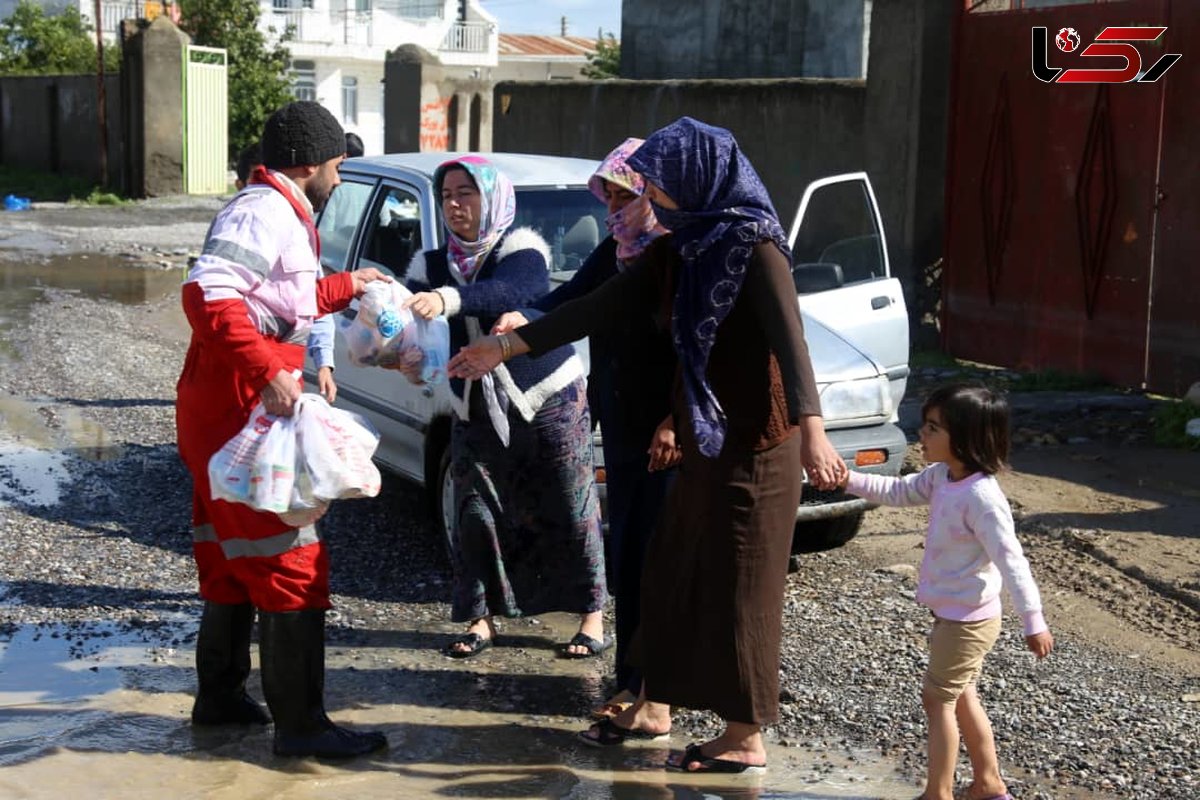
[(870, 397)]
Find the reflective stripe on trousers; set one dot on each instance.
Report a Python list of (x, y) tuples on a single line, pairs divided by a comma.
[(267, 547)]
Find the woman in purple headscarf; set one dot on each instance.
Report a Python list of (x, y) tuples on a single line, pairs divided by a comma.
[(629, 393), (748, 419)]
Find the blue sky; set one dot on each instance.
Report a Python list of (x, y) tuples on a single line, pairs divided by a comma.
[(584, 17)]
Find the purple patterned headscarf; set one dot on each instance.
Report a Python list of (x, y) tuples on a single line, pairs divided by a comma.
[(498, 209), (724, 211), (634, 226)]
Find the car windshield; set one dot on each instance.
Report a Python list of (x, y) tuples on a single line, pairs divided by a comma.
[(571, 220)]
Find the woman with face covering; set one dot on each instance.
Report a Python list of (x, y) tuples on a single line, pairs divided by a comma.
[(629, 391), (526, 535), (748, 420)]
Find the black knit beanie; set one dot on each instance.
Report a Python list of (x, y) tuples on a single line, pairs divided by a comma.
[(302, 133)]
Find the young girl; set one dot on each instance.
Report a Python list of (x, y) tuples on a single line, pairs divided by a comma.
[(971, 550)]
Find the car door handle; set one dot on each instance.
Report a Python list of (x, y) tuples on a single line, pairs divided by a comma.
[(883, 301)]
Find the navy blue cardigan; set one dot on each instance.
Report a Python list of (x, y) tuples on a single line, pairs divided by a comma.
[(514, 276)]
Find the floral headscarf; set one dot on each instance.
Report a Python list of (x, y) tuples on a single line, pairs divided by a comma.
[(634, 226), (724, 211), (497, 210)]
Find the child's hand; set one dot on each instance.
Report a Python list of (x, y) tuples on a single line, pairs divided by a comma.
[(1040, 644)]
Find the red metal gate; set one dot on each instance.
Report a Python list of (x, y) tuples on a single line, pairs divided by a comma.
[(1073, 229)]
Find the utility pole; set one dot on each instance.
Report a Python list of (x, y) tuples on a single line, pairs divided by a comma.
[(564, 25), (102, 104)]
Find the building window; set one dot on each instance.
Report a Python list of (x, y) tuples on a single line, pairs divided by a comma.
[(288, 5), (304, 80), (362, 6), (350, 101)]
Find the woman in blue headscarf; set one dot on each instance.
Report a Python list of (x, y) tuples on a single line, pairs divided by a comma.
[(748, 419)]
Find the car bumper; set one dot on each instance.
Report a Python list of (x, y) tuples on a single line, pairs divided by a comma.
[(883, 443)]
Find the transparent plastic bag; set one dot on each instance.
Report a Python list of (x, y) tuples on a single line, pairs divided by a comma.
[(382, 334), (374, 334)]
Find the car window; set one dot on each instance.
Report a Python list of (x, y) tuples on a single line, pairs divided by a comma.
[(839, 229), (393, 230), (571, 220), (340, 220)]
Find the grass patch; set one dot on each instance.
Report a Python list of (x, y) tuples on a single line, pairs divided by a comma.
[(1047, 380), (1052, 380), (99, 198), (49, 186), (1170, 422)]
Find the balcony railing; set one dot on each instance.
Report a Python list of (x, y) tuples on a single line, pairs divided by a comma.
[(467, 37), (111, 14), (357, 28), (420, 9)]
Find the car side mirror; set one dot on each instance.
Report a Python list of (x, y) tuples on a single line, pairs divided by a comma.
[(817, 277)]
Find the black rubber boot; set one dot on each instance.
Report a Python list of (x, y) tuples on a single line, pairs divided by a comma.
[(292, 647), (222, 666)]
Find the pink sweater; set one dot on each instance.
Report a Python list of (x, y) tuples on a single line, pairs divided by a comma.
[(971, 548)]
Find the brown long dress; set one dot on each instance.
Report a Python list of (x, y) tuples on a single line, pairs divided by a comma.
[(715, 569)]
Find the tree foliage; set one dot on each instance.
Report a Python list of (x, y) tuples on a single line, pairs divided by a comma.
[(258, 66), (606, 61), (32, 43)]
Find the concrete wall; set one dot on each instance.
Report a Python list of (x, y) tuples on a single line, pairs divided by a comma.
[(432, 107), (665, 39), (50, 123), (907, 120), (792, 130), (152, 82)]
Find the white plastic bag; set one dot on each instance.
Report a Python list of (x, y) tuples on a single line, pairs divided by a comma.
[(293, 466), (335, 448), (230, 468)]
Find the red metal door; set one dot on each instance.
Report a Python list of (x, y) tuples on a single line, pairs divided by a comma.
[(1173, 362), (1051, 187)]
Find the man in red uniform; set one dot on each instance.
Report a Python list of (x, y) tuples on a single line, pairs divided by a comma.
[(251, 298)]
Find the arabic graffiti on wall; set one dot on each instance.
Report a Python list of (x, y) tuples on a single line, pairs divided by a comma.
[(435, 125)]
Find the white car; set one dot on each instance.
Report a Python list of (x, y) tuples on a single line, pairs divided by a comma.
[(854, 314)]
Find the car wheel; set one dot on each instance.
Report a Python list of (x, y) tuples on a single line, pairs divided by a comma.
[(825, 534), (442, 494)]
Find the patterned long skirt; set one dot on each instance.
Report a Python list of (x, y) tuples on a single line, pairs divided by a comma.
[(527, 537)]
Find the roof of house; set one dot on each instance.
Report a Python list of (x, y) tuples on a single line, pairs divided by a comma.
[(521, 44)]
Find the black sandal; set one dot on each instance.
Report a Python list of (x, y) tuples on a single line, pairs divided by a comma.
[(594, 647), (610, 734), (692, 754), (475, 645)]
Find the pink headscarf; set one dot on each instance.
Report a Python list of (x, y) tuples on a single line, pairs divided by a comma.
[(634, 226)]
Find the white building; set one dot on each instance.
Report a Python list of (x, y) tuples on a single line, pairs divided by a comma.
[(338, 49)]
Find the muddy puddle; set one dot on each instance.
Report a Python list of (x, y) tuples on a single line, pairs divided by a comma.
[(94, 709), (23, 283), (36, 439)]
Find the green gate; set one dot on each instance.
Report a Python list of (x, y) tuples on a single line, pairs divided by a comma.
[(205, 121)]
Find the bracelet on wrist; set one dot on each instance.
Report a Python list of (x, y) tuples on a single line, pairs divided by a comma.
[(505, 347)]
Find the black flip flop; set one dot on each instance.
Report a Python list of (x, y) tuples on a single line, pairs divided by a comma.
[(475, 643), (594, 647), (692, 754), (610, 734)]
